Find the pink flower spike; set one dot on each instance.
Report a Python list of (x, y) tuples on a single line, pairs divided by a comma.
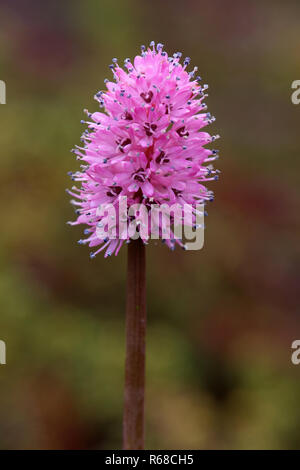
[(147, 144)]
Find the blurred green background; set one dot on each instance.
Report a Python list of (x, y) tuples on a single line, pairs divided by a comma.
[(220, 321)]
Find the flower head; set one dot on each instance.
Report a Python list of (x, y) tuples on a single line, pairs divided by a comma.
[(147, 145)]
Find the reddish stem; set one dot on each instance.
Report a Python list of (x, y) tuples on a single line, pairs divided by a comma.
[(133, 420)]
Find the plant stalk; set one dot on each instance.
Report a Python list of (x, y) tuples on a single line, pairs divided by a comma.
[(133, 419)]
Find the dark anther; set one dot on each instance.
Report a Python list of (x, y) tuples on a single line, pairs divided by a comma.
[(176, 192), (182, 132), (126, 142), (150, 128), (140, 175), (160, 157), (123, 144), (114, 191), (127, 116), (139, 178), (147, 97), (169, 108)]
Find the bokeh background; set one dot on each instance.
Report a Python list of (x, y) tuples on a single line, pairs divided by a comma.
[(220, 321)]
